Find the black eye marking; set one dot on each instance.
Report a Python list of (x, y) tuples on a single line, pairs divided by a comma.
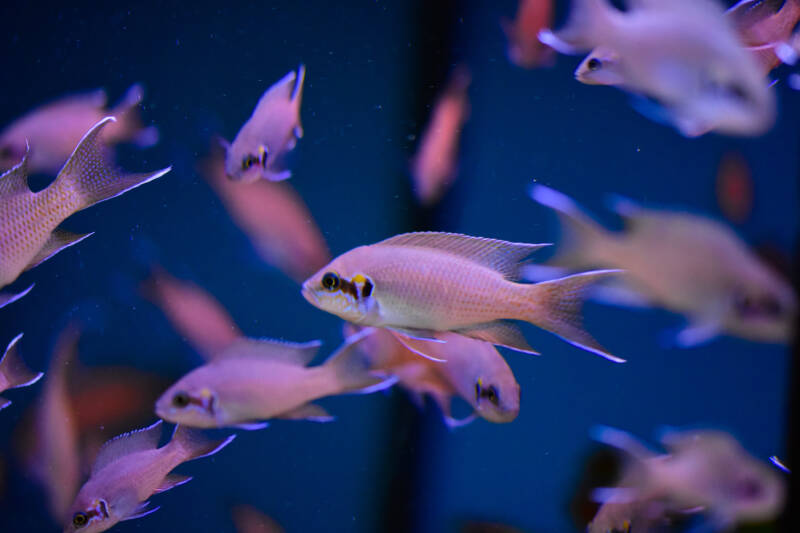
[(490, 393), (477, 390), (331, 281), (248, 161), (181, 399), (79, 519), (594, 64), (366, 291)]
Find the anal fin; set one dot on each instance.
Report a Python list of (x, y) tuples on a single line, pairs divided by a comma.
[(172, 481), (309, 411), (58, 240), (140, 511), (499, 333)]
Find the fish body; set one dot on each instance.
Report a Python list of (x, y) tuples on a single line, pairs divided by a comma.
[(524, 48), (29, 232), (255, 380), (260, 148), (418, 283), (53, 130), (13, 371), (683, 54), (131, 468), (682, 262), (435, 164), (275, 219)]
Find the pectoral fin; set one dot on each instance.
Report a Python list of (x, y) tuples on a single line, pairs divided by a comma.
[(698, 332), (310, 411)]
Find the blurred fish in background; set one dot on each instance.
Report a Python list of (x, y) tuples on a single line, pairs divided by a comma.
[(53, 130), (273, 216), (735, 188), (682, 262), (13, 371), (248, 519), (524, 48)]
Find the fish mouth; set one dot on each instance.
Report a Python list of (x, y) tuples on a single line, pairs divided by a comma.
[(309, 295)]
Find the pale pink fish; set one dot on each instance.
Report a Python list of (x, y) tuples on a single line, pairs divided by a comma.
[(56, 464), (29, 232), (703, 471), (435, 165), (261, 379), (468, 368), (683, 55), (274, 217), (53, 130), (524, 48), (248, 519), (261, 146), (13, 371), (129, 469), (421, 283), (194, 313), (681, 262), (761, 25)]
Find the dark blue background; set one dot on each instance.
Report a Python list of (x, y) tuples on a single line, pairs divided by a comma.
[(204, 65)]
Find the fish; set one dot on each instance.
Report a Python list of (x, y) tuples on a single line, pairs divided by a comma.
[(13, 371), (274, 217), (684, 55), (29, 232), (421, 283), (734, 188), (470, 369), (255, 380), (7, 298), (53, 130), (703, 471), (194, 313), (129, 469), (686, 263), (57, 461), (248, 519), (524, 48), (435, 165), (259, 149), (761, 25)]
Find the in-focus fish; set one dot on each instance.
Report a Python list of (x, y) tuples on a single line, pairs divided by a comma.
[(53, 130), (600, 67), (435, 165), (471, 369), (704, 471), (7, 298), (57, 460), (194, 313), (682, 262), (260, 379), (248, 519), (29, 232), (13, 372), (734, 188), (260, 148), (274, 217), (684, 54), (524, 48), (131, 468), (421, 283)]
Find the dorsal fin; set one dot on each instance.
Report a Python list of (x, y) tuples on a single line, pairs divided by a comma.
[(502, 256), (299, 353), (15, 180), (126, 444), (629, 211)]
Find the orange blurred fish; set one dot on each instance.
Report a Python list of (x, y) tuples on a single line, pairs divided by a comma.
[(248, 519), (735, 188), (197, 316), (435, 164), (274, 217), (129, 469), (53, 130), (524, 48), (56, 465), (261, 146), (13, 372), (421, 283), (29, 232)]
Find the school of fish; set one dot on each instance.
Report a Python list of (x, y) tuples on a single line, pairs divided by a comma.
[(425, 311)]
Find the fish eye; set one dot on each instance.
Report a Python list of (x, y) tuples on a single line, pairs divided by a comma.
[(594, 64), (181, 399), (79, 519), (330, 281), (248, 161), (490, 393)]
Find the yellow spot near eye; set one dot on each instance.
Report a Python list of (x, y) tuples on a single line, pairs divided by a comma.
[(205, 393), (359, 278), (480, 382)]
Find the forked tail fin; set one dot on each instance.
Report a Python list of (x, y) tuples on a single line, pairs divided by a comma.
[(130, 122), (14, 371), (195, 443), (90, 176), (556, 307)]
